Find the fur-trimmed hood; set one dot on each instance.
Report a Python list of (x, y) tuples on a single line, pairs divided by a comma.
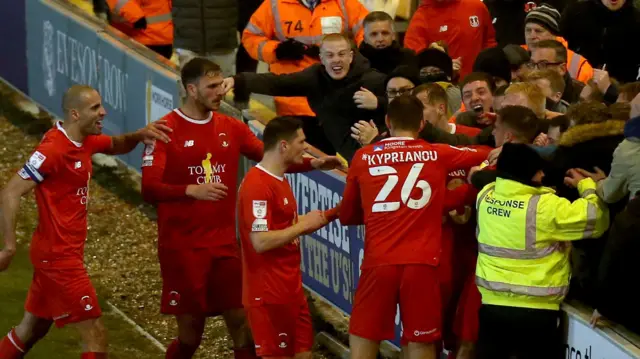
[(589, 131)]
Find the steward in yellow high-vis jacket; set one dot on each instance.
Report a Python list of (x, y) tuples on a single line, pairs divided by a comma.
[(523, 268)]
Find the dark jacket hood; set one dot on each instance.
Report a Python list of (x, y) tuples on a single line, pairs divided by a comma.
[(590, 131), (632, 128)]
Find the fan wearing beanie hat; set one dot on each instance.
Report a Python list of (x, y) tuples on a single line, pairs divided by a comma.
[(520, 163), (541, 23)]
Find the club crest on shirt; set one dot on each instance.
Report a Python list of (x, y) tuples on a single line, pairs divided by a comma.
[(260, 209), (174, 298), (86, 303), (474, 21)]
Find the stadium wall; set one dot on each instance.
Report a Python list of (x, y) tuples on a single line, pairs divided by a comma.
[(47, 48), (13, 59)]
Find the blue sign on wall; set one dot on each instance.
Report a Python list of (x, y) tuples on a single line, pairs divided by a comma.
[(13, 61), (63, 51)]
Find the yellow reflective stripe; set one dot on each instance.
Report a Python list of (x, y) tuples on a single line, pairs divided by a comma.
[(527, 290), (588, 192), (574, 65), (358, 26), (260, 47), (254, 29), (481, 197), (592, 216), (309, 40), (276, 18), (530, 251), (345, 16), (158, 18)]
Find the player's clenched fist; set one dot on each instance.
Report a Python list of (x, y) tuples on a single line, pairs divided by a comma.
[(312, 221), (207, 191)]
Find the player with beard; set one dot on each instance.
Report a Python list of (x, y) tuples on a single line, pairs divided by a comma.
[(192, 182), (60, 171)]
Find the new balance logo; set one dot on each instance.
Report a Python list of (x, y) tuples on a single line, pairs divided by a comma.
[(444, 28), (188, 143), (77, 165)]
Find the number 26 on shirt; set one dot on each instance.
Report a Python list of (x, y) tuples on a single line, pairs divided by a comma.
[(382, 205)]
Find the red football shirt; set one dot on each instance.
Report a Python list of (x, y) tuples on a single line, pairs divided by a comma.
[(199, 151), (62, 169), (396, 187), (266, 203), (465, 25)]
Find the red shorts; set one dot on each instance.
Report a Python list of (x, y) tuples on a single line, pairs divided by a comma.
[(64, 295), (414, 286), (466, 323), (281, 330), (196, 281)]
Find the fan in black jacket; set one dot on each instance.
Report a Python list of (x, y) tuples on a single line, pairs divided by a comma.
[(380, 46), (329, 88), (604, 36)]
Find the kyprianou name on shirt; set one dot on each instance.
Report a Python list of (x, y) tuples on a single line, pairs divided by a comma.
[(400, 157)]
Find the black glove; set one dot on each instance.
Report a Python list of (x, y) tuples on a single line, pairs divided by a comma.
[(290, 50), (313, 51), (141, 24)]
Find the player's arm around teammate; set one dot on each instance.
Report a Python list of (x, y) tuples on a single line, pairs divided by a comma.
[(59, 171)]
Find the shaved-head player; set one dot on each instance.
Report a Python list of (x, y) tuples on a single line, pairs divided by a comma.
[(60, 170)]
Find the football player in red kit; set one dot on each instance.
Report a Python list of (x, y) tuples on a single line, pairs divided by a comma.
[(459, 246), (192, 182), (396, 188), (59, 170), (269, 231)]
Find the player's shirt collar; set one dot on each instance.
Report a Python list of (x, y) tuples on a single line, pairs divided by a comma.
[(197, 122), (397, 139), (269, 173), (61, 129)]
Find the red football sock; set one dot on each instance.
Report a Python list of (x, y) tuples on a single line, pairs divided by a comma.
[(11, 347), (179, 350), (93, 355), (244, 353)]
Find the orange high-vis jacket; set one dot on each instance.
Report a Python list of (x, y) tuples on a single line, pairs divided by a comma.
[(579, 68), (276, 21), (159, 29)]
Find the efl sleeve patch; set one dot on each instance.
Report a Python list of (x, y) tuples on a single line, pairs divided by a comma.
[(37, 159), (260, 225), (260, 209)]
